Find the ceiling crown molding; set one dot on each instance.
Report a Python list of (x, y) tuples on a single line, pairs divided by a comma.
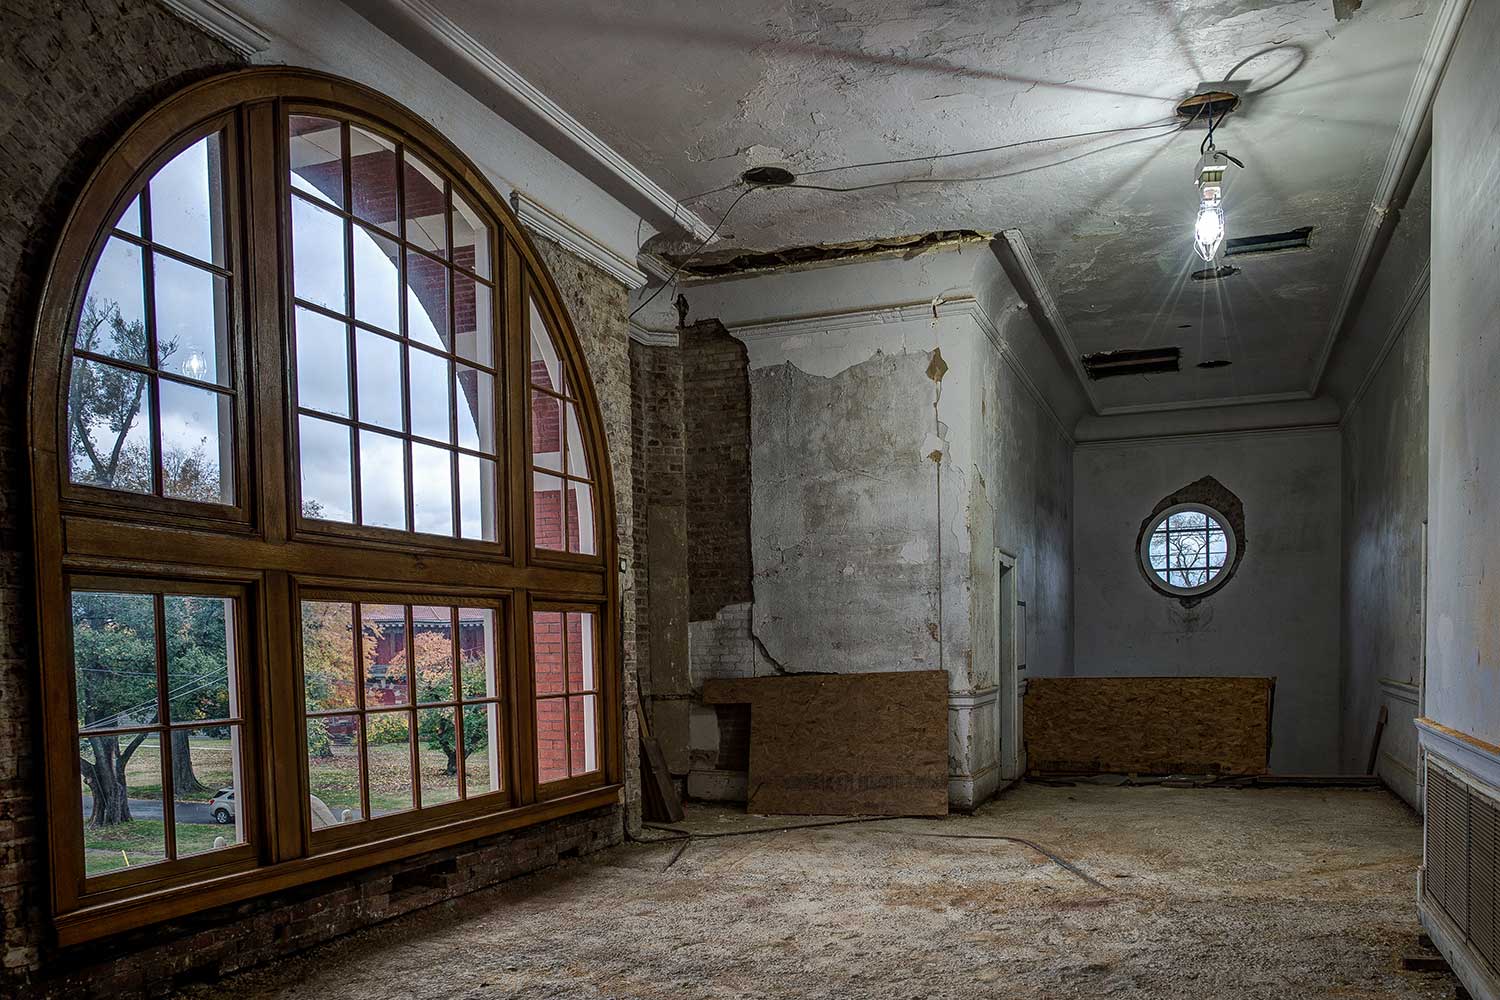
[(223, 23), (1027, 278), (473, 53), (543, 220)]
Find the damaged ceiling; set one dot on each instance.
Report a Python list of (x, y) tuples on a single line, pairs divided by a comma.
[(695, 94)]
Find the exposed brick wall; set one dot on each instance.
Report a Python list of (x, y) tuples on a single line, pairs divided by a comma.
[(716, 415), (74, 74)]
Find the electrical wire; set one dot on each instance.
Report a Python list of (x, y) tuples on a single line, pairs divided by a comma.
[(692, 256)]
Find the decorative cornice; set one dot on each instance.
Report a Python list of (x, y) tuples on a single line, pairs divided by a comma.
[(1206, 403), (1146, 440), (1029, 281), (223, 23), (1414, 296), (651, 337), (465, 47), (548, 223), (1400, 690), (1413, 140), (1479, 759)]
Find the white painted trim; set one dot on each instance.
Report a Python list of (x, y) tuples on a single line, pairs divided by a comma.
[(1413, 137), (974, 699), (465, 47), (1414, 296), (1450, 941), (548, 223), (221, 22), (1146, 440), (1400, 690), (992, 334), (652, 337), (1034, 288), (1480, 763)]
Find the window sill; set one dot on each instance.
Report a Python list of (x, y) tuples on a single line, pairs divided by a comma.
[(92, 922)]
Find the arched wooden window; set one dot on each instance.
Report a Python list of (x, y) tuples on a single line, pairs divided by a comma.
[(324, 521)]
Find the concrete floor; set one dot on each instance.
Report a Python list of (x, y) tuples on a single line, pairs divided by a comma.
[(1208, 894)]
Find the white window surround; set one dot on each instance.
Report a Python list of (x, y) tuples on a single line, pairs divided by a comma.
[(1217, 574)]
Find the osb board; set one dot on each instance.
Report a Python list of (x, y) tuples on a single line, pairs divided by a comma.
[(1148, 725), (845, 744)]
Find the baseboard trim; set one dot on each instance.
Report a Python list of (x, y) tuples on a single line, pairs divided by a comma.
[(1450, 941)]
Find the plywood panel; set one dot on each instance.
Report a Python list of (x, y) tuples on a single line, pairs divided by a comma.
[(1148, 725), (845, 744)]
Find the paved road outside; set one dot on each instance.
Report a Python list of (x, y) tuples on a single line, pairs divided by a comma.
[(186, 812)]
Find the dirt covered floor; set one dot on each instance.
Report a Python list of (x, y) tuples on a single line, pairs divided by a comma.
[(1201, 893)]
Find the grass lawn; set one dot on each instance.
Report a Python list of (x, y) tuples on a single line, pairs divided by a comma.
[(142, 842), (212, 764), (335, 779)]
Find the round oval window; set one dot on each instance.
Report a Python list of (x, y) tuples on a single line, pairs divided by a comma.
[(1187, 549)]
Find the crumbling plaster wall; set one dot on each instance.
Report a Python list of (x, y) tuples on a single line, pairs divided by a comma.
[(1463, 499), (1277, 617)]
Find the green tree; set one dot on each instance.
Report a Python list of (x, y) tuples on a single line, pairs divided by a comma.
[(114, 654), (434, 656)]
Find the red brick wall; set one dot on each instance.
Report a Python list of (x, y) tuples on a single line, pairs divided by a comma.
[(716, 431)]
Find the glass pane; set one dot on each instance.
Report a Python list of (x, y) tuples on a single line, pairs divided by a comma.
[(114, 659), (476, 408), (328, 675), (187, 202), (322, 363), (546, 431), (372, 163), (121, 806), (578, 459), (546, 512), (192, 320), (1158, 550), (377, 285), (197, 453), (378, 362), (475, 337), (425, 206), (476, 498), (430, 408), (432, 490), (109, 427), (547, 652), (384, 646), (471, 238), (582, 537), (200, 658), (1218, 548), (318, 256), (437, 750), (581, 640), (327, 472), (583, 734), (113, 320), (1184, 519), (546, 367), (205, 771), (388, 753), (333, 770), (476, 647), (433, 650), (551, 739), (382, 480), (130, 219), (482, 747), (426, 301), (317, 154)]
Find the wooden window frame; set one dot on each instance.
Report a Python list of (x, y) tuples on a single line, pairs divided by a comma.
[(266, 552)]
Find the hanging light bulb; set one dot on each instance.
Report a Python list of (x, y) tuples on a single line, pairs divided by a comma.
[(1208, 231), (195, 366)]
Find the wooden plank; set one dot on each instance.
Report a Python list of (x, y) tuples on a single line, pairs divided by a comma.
[(1148, 725), (659, 798), (845, 744)]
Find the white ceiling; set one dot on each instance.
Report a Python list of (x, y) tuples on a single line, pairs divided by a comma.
[(694, 93)]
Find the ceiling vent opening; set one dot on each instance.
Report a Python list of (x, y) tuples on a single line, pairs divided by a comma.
[(1215, 273), (768, 177), (1294, 239), (724, 263), (1146, 361), (1215, 363)]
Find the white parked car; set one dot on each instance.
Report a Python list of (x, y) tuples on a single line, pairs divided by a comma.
[(222, 805)]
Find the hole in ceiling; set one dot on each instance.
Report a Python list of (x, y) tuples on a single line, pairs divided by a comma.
[(1215, 273), (1215, 363), (1293, 239), (768, 176), (1184, 326), (726, 262), (1208, 104), (1109, 364)]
